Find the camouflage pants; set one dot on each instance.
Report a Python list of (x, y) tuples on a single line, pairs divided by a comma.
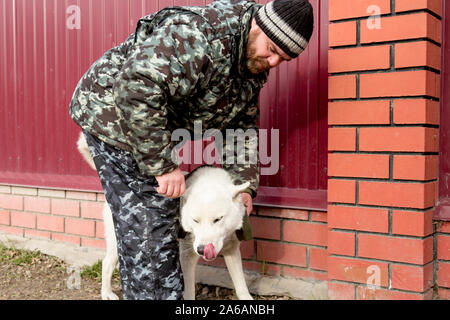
[(146, 226)]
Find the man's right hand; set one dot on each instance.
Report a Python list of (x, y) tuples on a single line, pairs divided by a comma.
[(172, 184)]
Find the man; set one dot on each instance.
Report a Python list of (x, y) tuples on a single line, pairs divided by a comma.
[(182, 65)]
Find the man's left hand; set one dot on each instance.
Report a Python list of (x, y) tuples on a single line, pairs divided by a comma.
[(247, 200)]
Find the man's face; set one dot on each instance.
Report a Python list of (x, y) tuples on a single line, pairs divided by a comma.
[(262, 53)]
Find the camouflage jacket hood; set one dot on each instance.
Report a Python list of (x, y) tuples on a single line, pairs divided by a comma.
[(182, 66)]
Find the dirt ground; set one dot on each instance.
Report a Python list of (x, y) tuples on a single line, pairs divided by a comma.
[(31, 275)]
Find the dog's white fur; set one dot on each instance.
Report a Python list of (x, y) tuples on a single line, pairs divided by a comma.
[(211, 212)]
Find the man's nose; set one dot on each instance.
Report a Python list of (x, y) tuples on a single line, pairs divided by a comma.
[(274, 60)]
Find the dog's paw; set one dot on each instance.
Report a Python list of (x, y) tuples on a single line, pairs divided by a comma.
[(109, 296)]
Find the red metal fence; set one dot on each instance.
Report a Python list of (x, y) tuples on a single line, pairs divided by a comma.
[(45, 50)]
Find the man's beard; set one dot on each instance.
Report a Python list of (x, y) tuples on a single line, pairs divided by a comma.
[(254, 64)]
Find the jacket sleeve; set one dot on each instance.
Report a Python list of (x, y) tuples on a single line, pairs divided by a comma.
[(164, 68), (240, 155)]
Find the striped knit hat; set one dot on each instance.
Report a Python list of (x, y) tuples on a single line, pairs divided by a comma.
[(288, 23)]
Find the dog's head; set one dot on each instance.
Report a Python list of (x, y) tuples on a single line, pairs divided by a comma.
[(211, 212)]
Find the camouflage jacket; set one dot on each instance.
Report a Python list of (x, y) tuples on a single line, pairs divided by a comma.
[(182, 65)]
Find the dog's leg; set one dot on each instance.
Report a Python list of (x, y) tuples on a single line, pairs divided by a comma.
[(188, 260), (111, 258), (233, 261)]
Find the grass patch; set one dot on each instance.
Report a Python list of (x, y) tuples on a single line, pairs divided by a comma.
[(18, 256), (95, 272)]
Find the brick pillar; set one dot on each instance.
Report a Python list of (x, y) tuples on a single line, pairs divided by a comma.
[(383, 147)]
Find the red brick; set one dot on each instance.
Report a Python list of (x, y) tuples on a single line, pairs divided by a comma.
[(408, 5), (51, 193), (393, 84), (80, 227), (417, 54), (412, 223), (443, 275), (341, 291), (402, 27), (4, 217), (5, 189), (66, 207), (50, 223), (247, 249), (360, 58), (99, 229), (283, 213), (262, 268), (319, 216), (357, 218), (304, 232), (416, 167), (357, 270), (443, 226), (37, 234), (20, 219), (92, 210), (358, 165), (405, 139), (443, 247), (444, 293), (416, 111), (266, 228), (101, 197), (344, 9), (342, 191), (342, 139), (91, 196), (281, 253), (358, 112), (341, 87), (25, 191), (416, 251), (341, 243), (66, 238), (365, 293), (95, 243), (318, 258), (11, 230), (412, 278), (392, 194), (37, 204), (342, 34), (13, 202), (305, 274)]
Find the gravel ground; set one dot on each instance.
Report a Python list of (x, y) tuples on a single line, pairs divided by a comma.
[(31, 275)]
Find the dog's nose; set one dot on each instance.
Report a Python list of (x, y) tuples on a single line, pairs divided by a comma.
[(201, 250)]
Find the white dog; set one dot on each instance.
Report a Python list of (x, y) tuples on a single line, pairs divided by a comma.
[(211, 212)]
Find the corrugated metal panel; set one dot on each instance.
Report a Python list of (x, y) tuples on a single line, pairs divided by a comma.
[(42, 61), (442, 211)]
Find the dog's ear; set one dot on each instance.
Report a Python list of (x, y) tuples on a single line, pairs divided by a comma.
[(237, 190)]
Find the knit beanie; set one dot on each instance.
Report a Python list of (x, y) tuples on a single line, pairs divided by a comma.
[(288, 23)]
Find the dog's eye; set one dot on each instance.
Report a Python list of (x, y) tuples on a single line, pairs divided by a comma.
[(196, 221), (218, 219)]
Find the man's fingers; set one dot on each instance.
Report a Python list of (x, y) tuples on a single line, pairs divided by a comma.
[(162, 189)]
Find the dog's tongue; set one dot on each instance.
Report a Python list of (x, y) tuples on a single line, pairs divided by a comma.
[(210, 252)]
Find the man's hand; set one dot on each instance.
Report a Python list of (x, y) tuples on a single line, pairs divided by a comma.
[(172, 184), (247, 200)]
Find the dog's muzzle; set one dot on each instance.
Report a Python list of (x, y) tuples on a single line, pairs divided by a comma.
[(208, 252)]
